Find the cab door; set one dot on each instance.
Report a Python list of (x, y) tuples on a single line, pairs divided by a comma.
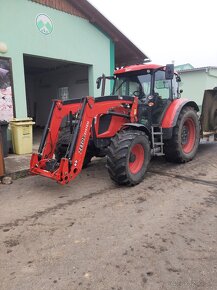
[(162, 97)]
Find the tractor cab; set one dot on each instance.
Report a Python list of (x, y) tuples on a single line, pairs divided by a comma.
[(155, 86)]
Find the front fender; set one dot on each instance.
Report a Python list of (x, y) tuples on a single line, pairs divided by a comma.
[(137, 126), (172, 113)]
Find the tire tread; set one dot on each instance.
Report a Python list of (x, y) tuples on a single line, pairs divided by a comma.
[(172, 146), (116, 156)]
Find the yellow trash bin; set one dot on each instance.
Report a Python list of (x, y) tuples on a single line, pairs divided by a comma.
[(21, 130)]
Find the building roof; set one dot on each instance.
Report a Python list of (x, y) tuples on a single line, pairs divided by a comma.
[(126, 52), (198, 69), (184, 66)]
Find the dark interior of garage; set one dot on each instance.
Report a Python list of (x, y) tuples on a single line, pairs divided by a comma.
[(48, 79)]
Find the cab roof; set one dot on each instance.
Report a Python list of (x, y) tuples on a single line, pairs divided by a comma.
[(137, 67)]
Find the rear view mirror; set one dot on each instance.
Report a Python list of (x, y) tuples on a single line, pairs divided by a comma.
[(178, 79), (98, 82), (169, 72)]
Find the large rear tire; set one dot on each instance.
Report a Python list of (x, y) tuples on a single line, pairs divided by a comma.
[(128, 157), (183, 145)]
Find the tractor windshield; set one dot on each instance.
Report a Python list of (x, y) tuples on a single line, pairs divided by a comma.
[(133, 84)]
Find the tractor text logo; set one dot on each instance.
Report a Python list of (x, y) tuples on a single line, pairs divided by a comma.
[(83, 138), (44, 24)]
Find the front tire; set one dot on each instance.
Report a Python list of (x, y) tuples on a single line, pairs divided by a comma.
[(62, 145), (183, 145), (128, 157)]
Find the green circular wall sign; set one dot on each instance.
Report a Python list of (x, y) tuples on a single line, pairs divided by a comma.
[(44, 24)]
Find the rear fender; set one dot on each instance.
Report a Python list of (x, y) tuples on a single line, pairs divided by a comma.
[(172, 113)]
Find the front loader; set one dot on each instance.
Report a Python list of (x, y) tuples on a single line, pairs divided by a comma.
[(143, 117), (63, 150)]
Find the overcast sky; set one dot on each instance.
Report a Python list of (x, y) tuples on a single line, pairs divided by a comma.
[(166, 30)]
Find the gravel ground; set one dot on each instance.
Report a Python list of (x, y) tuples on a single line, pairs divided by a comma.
[(91, 234)]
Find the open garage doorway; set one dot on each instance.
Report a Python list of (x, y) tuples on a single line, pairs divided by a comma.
[(48, 79)]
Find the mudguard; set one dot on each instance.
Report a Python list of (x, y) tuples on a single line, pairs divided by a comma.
[(172, 113), (137, 126)]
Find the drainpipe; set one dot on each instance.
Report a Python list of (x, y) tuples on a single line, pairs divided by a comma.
[(2, 164)]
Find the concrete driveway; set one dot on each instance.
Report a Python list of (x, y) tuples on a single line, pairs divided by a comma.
[(91, 234)]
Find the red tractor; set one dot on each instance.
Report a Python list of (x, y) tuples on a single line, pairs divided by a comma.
[(143, 117)]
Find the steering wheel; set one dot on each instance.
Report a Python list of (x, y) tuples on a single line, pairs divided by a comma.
[(136, 93), (139, 94)]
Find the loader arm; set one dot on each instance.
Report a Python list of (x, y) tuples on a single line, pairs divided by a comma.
[(85, 110)]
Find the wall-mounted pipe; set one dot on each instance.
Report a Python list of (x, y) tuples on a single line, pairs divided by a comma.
[(2, 164)]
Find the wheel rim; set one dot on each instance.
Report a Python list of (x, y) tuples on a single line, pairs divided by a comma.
[(188, 135), (136, 160)]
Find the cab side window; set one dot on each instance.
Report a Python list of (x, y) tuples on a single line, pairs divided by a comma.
[(175, 87), (162, 87)]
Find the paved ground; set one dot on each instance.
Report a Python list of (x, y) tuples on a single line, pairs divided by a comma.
[(17, 165), (91, 234)]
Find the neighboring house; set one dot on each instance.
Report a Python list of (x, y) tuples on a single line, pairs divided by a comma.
[(195, 80), (56, 49), (184, 66)]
